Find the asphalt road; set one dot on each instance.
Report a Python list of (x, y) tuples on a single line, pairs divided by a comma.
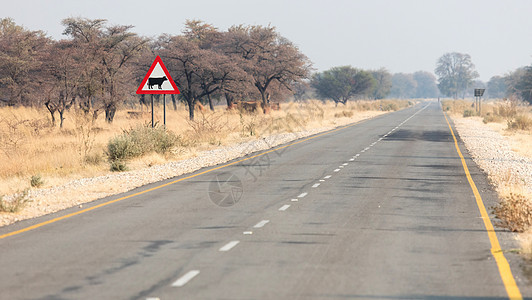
[(378, 210)]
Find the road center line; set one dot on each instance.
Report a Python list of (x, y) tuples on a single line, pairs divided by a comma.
[(229, 246), (302, 195), (261, 223), (284, 207), (185, 278)]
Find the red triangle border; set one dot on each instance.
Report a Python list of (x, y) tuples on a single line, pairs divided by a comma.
[(158, 60)]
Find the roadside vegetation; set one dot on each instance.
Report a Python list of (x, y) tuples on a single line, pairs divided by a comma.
[(512, 119), (33, 153)]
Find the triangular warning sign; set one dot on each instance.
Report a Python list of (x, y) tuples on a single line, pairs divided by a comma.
[(158, 80)]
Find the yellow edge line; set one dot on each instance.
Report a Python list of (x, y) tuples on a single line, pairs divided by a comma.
[(504, 267), (173, 182)]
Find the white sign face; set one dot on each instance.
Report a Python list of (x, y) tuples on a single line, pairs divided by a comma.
[(157, 80)]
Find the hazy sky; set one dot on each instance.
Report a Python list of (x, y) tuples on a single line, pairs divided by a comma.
[(402, 36)]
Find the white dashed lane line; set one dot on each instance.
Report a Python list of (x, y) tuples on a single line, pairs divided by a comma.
[(262, 223), (185, 278), (316, 185), (352, 159), (327, 177), (284, 207), (247, 232), (294, 200), (228, 246), (302, 195), (337, 170)]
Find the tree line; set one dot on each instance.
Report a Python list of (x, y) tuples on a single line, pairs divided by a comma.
[(98, 67)]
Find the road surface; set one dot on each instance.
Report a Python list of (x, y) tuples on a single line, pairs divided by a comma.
[(378, 210)]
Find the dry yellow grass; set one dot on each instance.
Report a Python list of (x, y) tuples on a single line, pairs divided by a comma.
[(29, 145)]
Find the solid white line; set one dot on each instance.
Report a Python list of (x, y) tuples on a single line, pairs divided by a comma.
[(261, 224), (337, 170), (284, 207), (185, 278), (229, 246), (327, 177), (316, 185), (302, 195)]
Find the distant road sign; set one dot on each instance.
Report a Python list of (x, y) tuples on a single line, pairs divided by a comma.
[(479, 92), (158, 80)]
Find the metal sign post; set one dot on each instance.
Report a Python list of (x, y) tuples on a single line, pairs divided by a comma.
[(478, 97), (164, 111), (152, 111)]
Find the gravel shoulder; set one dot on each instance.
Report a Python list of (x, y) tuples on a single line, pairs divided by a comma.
[(77, 192), (507, 170)]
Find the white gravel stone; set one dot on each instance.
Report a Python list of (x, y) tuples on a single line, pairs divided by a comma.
[(493, 154)]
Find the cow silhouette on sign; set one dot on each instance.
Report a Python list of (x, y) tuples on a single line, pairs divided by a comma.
[(156, 81)]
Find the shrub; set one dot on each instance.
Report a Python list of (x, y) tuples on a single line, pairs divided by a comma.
[(140, 141), (36, 181), (344, 113), (390, 107), (522, 122), (118, 166), (93, 159), (492, 118), (15, 205), (514, 213), (468, 113)]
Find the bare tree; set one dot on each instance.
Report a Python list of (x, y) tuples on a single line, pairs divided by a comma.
[(63, 66), (112, 50), (20, 59), (268, 57), (194, 69)]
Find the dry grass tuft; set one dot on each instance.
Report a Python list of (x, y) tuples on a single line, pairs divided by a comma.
[(514, 213), (16, 204)]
